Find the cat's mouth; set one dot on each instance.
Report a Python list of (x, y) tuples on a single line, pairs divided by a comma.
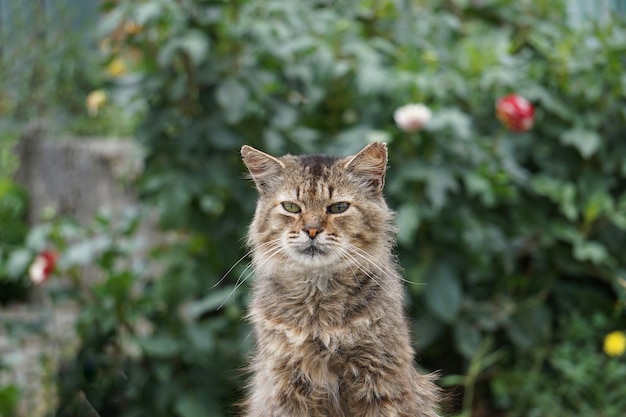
[(312, 250)]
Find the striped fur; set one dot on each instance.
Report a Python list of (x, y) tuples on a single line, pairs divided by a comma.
[(331, 335)]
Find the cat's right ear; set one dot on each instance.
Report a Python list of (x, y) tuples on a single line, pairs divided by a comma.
[(262, 167)]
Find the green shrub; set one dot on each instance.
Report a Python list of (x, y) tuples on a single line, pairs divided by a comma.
[(570, 377), (49, 63), (13, 229), (9, 396), (146, 345), (510, 233)]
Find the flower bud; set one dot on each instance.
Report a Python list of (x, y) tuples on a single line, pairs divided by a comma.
[(42, 266), (516, 113), (412, 117), (116, 68), (95, 100)]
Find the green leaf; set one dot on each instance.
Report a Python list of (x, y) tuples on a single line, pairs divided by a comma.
[(9, 398), (598, 204), (587, 142), (216, 299), (467, 338), (148, 11), (479, 186), (188, 406), (591, 251), (529, 326), (408, 218), (439, 183), (37, 238), (549, 101), (85, 252), (443, 294), (233, 97), (18, 263), (427, 330), (160, 346), (193, 44), (452, 120), (119, 285), (563, 193), (452, 380)]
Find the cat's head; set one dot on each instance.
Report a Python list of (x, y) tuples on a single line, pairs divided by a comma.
[(320, 211)]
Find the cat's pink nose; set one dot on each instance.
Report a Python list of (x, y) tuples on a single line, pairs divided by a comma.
[(312, 231)]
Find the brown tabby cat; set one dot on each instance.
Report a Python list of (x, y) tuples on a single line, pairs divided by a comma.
[(331, 336)]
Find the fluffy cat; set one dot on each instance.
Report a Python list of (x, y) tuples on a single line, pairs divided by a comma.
[(332, 339)]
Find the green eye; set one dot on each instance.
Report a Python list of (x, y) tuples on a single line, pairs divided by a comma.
[(291, 207), (338, 207)]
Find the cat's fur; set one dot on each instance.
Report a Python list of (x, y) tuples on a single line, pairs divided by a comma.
[(332, 339)]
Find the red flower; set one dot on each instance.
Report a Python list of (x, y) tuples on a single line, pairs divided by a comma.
[(42, 266), (516, 113)]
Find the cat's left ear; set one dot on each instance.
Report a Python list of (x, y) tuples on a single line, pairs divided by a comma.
[(370, 164), (262, 167)]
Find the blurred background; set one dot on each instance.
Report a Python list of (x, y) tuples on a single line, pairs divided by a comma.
[(123, 208)]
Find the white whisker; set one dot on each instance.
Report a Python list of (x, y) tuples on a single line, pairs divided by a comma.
[(347, 257), (364, 269), (382, 267), (273, 246), (231, 268)]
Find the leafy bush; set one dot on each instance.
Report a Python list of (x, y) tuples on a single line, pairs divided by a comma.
[(13, 260), (8, 400), (140, 337), (570, 377), (47, 71), (512, 234)]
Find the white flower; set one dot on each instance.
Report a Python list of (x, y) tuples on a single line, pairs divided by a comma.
[(412, 117)]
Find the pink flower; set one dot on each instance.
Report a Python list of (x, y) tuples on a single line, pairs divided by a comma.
[(412, 117), (42, 266), (516, 113)]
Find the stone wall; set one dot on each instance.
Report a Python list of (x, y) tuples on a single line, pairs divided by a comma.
[(76, 177)]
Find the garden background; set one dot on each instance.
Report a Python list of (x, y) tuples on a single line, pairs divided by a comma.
[(514, 240)]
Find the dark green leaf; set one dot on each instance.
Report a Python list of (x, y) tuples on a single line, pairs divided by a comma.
[(193, 44), (443, 294), (18, 263), (587, 142), (467, 338), (188, 406), (216, 299), (408, 219), (232, 96)]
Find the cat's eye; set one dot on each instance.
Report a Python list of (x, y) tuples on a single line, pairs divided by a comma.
[(338, 207), (291, 207)]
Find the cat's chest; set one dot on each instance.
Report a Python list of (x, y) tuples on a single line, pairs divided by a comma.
[(323, 336), (326, 321)]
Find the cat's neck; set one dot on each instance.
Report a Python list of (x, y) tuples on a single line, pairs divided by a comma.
[(298, 294)]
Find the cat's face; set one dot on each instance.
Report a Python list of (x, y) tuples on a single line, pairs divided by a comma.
[(319, 211)]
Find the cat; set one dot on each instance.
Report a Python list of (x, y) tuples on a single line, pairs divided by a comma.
[(327, 312)]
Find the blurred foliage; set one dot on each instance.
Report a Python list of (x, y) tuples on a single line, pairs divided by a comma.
[(518, 237), (9, 396), (568, 377), (140, 337), (49, 62), (13, 259)]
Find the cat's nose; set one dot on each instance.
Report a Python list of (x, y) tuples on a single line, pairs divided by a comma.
[(312, 231)]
